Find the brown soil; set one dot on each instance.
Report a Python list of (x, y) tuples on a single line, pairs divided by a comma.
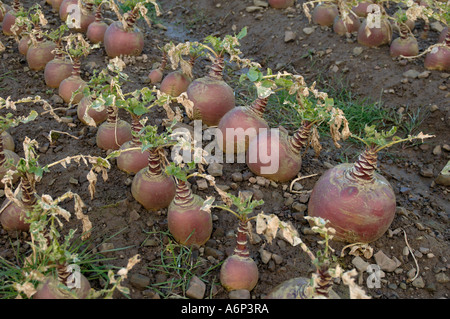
[(118, 219)]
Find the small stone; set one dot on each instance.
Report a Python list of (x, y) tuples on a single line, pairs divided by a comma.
[(289, 201), (239, 294), (289, 36), (202, 184), (73, 181), (360, 264), (139, 281), (297, 186), (442, 278), (424, 250), (412, 74), (56, 99), (385, 263), (418, 282), (260, 3), (134, 215), (237, 177), (419, 226), (252, 180), (251, 9), (261, 181), (411, 273), (128, 181), (217, 254), (427, 172), (196, 289), (215, 169), (434, 108), (277, 259), (258, 194), (436, 26), (437, 150), (308, 30), (446, 147), (299, 207), (357, 51), (265, 256), (405, 251), (424, 74)]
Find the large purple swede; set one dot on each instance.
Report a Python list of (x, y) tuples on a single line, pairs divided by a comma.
[(187, 222), (358, 202), (239, 271), (211, 95), (241, 125), (276, 155), (151, 187)]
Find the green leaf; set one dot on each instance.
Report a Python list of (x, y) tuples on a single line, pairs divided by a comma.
[(242, 33)]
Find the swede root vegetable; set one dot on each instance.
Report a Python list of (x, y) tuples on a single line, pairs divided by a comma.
[(132, 158), (71, 88), (157, 74), (281, 4), (350, 25), (175, 83), (324, 14), (212, 97), (97, 116), (56, 4), (283, 152), (24, 43), (96, 30), (114, 132), (405, 45), (10, 18), (3, 9), (52, 287), (123, 37), (241, 125), (187, 222), (57, 70), (40, 53), (358, 202), (151, 186), (361, 9), (439, 57), (72, 84), (239, 271), (378, 35)]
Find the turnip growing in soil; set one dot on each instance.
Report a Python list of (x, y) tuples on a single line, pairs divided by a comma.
[(358, 202), (188, 223), (151, 186), (123, 37), (70, 89), (211, 95), (9, 19), (275, 154), (346, 21), (438, 58), (4, 8), (239, 270), (157, 74), (40, 51), (177, 82), (78, 20), (96, 30), (323, 13), (242, 124), (60, 68), (378, 33)]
